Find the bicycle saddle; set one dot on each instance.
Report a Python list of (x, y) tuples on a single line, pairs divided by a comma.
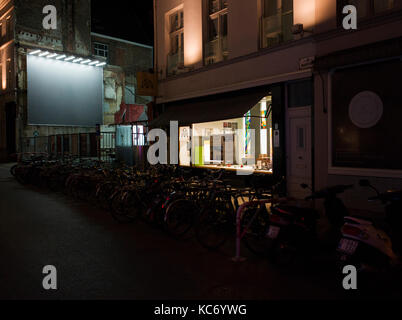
[(359, 220)]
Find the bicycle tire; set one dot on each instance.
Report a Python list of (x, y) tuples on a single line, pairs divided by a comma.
[(179, 218), (13, 170), (255, 239), (210, 231)]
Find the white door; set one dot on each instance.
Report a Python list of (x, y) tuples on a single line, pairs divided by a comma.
[(299, 163)]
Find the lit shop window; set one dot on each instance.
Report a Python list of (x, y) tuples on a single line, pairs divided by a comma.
[(185, 146), (243, 143), (138, 136)]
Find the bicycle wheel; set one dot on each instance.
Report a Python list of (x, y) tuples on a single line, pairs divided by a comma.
[(179, 217), (212, 226), (120, 210), (12, 170), (254, 224)]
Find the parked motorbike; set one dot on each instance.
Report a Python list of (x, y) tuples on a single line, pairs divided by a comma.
[(366, 245), (294, 229)]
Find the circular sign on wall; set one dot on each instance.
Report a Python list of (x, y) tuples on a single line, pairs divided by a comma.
[(366, 109)]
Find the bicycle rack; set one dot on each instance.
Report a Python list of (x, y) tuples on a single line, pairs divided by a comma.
[(239, 233)]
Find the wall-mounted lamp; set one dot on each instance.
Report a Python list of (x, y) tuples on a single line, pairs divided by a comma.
[(299, 30)]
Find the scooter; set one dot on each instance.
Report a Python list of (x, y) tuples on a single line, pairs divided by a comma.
[(365, 245), (294, 229)]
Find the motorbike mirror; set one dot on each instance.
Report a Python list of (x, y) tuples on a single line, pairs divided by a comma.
[(364, 183)]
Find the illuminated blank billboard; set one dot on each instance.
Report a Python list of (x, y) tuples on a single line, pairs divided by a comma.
[(63, 93)]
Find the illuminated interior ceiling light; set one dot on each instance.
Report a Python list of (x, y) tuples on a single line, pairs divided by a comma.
[(52, 55), (77, 60), (101, 64), (93, 63), (61, 57), (44, 54), (86, 61), (35, 52), (70, 58)]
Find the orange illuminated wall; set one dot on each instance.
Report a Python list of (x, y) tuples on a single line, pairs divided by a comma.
[(305, 13), (192, 32), (3, 69)]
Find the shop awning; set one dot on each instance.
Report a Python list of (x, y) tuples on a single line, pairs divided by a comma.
[(130, 113), (225, 106)]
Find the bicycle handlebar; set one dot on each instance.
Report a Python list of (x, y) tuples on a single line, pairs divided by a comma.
[(330, 191)]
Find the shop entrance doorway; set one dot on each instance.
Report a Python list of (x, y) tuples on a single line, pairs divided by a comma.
[(299, 164)]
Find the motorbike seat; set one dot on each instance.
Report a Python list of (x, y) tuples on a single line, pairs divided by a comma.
[(359, 220), (308, 213)]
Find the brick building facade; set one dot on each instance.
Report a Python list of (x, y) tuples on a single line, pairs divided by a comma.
[(22, 30)]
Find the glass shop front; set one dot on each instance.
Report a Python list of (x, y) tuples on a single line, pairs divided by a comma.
[(244, 143)]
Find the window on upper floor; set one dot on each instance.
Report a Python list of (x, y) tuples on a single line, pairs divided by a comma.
[(101, 50), (216, 46), (175, 58), (9, 27), (276, 22), (9, 76), (368, 8)]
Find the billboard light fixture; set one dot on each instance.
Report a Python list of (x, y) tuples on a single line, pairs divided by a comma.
[(53, 55), (67, 58), (35, 52), (44, 54)]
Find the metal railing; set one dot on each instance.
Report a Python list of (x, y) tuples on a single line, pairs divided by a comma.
[(175, 62), (80, 145), (276, 29), (216, 50)]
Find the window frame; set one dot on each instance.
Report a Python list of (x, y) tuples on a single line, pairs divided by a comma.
[(98, 50), (172, 34), (261, 22), (219, 14)]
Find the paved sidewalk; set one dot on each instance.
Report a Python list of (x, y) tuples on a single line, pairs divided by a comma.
[(97, 258)]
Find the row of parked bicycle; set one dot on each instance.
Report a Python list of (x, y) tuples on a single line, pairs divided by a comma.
[(175, 200)]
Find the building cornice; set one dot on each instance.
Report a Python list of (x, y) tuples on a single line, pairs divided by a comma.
[(120, 40), (259, 53)]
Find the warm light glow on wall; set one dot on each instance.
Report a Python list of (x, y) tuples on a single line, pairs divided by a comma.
[(326, 12), (304, 13), (4, 70), (192, 32)]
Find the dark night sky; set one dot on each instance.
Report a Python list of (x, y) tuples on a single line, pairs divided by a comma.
[(130, 20)]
